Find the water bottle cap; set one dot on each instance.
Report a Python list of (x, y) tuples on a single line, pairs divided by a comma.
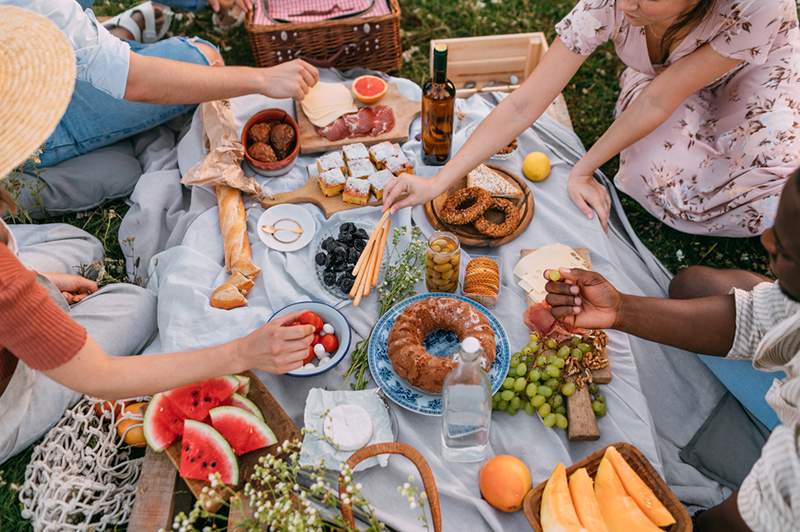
[(470, 345)]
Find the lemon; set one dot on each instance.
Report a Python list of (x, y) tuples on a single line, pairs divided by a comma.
[(536, 166)]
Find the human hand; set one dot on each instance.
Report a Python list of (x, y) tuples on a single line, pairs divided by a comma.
[(407, 190), (292, 79), (74, 288), (244, 5), (276, 347), (583, 299), (588, 195)]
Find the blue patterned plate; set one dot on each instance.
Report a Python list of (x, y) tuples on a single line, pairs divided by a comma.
[(440, 343)]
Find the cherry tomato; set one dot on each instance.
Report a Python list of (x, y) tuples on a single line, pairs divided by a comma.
[(310, 318), (330, 343)]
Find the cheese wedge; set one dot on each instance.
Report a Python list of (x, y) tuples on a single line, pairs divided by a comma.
[(492, 182), (530, 269)]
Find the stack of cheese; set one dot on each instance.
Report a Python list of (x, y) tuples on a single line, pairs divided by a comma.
[(326, 102), (530, 269)]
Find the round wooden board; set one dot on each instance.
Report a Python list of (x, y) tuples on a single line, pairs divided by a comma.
[(468, 235)]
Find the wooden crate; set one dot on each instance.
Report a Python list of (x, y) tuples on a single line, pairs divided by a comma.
[(496, 63)]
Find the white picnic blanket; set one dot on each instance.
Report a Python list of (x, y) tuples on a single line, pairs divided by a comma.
[(657, 400)]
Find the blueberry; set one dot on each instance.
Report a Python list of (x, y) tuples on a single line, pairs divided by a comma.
[(321, 258), (346, 239), (329, 278), (359, 244), (328, 243), (348, 227), (361, 233), (339, 253)]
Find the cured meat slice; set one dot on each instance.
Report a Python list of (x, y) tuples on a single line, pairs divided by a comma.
[(366, 122), (538, 318)]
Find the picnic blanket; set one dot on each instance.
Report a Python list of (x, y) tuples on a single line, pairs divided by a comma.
[(657, 400)]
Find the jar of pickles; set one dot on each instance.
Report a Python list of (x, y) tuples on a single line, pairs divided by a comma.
[(442, 262)]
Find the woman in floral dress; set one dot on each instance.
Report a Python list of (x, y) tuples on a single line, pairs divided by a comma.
[(707, 122)]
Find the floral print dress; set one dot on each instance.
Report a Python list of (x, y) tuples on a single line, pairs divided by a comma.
[(718, 164)]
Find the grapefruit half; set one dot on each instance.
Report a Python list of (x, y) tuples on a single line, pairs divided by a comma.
[(369, 89)]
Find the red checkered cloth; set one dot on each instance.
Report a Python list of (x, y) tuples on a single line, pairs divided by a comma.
[(276, 11)]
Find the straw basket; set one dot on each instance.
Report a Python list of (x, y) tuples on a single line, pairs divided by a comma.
[(683, 523), (369, 42), (416, 458)]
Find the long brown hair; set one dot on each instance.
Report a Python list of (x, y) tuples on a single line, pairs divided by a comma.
[(681, 27)]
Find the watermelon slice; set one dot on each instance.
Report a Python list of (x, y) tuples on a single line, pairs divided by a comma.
[(162, 423), (244, 431), (204, 451), (244, 403), (244, 384), (195, 400)]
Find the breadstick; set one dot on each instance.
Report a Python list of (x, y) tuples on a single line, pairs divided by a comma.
[(370, 244), (381, 251), (371, 267)]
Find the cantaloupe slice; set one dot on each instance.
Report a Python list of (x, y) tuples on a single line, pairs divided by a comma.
[(640, 492), (620, 512), (557, 513), (585, 502)]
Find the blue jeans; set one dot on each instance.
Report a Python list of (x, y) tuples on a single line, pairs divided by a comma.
[(190, 5), (94, 119)]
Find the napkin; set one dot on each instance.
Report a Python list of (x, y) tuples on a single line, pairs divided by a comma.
[(318, 403)]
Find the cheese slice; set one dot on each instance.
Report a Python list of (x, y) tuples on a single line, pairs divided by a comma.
[(326, 102), (348, 427), (530, 269), (492, 182)]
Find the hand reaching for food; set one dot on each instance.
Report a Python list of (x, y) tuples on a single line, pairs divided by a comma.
[(581, 298), (74, 288), (407, 190), (590, 197)]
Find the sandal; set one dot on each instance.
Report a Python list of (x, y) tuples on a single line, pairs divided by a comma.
[(147, 11)]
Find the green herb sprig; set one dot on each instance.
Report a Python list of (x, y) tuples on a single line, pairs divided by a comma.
[(404, 269)]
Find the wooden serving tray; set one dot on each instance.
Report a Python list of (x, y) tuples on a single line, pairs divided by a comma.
[(311, 193), (582, 421), (405, 111), (683, 523), (468, 235), (274, 416)]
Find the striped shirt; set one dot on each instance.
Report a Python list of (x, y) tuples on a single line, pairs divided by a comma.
[(768, 332)]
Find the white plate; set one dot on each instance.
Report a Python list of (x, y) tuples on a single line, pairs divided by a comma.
[(273, 215)]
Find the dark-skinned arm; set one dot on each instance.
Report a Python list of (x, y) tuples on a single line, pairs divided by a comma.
[(586, 299)]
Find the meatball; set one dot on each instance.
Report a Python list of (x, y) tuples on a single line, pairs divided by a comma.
[(260, 132), (282, 139), (262, 152)]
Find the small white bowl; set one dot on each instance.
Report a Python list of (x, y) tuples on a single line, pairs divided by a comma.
[(328, 315), (287, 211)]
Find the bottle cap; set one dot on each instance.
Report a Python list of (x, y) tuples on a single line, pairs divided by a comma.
[(440, 47), (470, 345)]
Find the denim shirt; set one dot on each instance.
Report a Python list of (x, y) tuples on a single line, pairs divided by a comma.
[(102, 59)]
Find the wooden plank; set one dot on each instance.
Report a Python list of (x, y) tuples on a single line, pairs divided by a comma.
[(405, 111), (311, 193), (582, 422), (155, 494), (488, 47)]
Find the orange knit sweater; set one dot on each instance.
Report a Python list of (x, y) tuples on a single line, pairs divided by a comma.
[(33, 328)]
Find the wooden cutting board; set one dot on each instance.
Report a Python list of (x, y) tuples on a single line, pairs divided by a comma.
[(582, 421), (276, 418), (405, 111), (311, 193), (468, 235)]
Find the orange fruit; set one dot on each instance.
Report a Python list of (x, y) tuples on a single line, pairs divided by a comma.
[(504, 482), (108, 406), (369, 89), (130, 426)]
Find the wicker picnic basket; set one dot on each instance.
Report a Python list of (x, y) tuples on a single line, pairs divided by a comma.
[(428, 482), (369, 42), (683, 523)]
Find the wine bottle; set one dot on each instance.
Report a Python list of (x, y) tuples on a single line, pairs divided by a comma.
[(438, 103)]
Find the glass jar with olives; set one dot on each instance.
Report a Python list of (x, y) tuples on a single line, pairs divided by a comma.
[(442, 262)]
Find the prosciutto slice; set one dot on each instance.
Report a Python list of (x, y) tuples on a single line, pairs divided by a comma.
[(539, 319), (366, 122)]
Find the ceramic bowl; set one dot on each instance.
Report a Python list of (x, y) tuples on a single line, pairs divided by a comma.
[(328, 315), (276, 168)]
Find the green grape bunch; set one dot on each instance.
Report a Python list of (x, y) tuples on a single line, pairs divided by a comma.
[(537, 378)]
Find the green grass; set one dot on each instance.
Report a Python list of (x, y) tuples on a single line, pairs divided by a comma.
[(590, 95)]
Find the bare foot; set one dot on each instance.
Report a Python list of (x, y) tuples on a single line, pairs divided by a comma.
[(137, 17)]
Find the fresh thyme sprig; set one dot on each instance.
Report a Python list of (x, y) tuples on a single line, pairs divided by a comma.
[(403, 270)]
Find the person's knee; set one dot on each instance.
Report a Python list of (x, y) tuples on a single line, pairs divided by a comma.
[(690, 282), (211, 54)]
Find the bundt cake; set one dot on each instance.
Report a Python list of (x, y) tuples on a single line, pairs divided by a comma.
[(408, 356)]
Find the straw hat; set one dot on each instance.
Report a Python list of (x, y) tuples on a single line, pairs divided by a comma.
[(37, 76)]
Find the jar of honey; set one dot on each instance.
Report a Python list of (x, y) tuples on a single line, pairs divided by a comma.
[(442, 262)]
